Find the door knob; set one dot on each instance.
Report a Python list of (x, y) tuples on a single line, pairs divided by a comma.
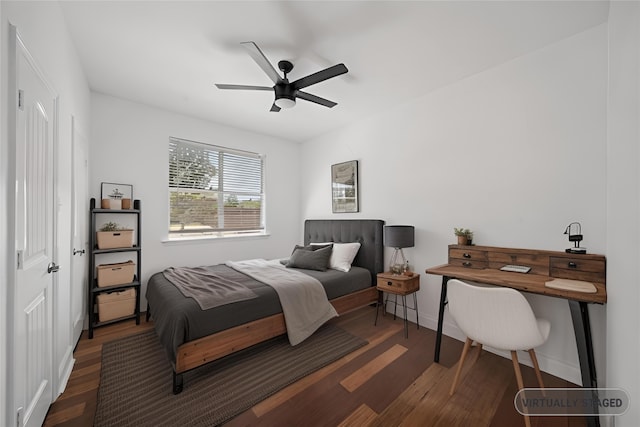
[(53, 267)]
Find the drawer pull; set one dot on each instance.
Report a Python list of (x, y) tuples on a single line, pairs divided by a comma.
[(466, 264), (572, 264), (389, 283), (466, 255)]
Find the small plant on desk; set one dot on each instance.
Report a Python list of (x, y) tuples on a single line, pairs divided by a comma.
[(465, 236)]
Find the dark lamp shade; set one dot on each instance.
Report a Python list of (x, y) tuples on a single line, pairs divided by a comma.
[(399, 236)]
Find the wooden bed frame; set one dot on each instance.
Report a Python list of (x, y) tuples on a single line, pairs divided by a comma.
[(204, 350)]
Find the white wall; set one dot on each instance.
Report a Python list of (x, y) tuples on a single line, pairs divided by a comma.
[(4, 264), (515, 153), (623, 205), (43, 29), (129, 144)]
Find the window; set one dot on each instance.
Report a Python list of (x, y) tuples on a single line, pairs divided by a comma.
[(214, 191)]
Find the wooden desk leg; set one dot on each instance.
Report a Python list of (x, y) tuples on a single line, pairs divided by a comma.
[(582, 331), (443, 302)]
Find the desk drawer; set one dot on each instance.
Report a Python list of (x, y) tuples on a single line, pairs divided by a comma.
[(469, 258), (467, 263), (468, 254), (576, 268)]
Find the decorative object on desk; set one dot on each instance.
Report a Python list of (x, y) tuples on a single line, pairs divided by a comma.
[(398, 237), (465, 236), (344, 187), (116, 196), (576, 238)]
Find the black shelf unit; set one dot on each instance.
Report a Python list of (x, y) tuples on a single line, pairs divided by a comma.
[(94, 252)]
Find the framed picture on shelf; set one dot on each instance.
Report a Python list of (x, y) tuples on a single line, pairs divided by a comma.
[(116, 196), (344, 187)]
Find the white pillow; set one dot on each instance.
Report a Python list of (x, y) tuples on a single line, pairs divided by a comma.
[(342, 255)]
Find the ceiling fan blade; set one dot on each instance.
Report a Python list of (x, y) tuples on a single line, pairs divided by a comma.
[(325, 74), (308, 97), (262, 61), (242, 87), (274, 108)]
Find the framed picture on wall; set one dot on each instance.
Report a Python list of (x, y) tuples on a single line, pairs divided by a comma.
[(344, 187)]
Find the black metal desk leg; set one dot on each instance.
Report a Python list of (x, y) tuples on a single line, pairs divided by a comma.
[(582, 330), (375, 322), (406, 319), (443, 302), (415, 304)]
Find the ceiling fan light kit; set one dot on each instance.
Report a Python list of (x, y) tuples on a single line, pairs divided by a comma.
[(285, 93), (285, 102)]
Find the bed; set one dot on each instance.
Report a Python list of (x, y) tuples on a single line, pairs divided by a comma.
[(193, 337)]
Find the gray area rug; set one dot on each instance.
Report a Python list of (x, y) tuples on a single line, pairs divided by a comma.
[(136, 387)]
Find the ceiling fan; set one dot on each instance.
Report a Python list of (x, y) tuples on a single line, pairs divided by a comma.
[(285, 92)]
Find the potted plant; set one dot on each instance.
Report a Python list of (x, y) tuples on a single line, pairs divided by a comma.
[(465, 236), (111, 235)]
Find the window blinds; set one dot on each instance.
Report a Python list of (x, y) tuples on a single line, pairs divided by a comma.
[(214, 189)]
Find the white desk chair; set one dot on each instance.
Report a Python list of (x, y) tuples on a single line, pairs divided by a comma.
[(497, 317)]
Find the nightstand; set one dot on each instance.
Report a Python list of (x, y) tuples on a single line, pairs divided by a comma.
[(402, 285)]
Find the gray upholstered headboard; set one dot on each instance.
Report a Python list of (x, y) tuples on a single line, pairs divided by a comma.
[(366, 231)]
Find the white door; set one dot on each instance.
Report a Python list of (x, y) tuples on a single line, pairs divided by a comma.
[(32, 361), (79, 227)]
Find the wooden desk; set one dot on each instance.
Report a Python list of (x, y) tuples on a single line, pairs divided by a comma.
[(482, 264)]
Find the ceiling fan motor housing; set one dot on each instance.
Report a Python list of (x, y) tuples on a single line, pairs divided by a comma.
[(285, 90)]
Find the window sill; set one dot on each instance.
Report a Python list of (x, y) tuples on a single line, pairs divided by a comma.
[(209, 238)]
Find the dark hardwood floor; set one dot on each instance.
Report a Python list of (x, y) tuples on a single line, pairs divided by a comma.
[(392, 381)]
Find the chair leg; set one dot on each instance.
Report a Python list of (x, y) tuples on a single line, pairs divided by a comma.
[(478, 353), (516, 368), (465, 350), (534, 359)]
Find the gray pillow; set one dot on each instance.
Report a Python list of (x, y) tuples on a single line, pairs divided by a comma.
[(311, 247), (316, 259), (285, 261)]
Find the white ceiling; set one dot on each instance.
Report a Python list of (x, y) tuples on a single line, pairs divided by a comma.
[(169, 54)]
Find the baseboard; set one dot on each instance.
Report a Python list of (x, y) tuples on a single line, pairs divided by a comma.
[(64, 370), (78, 325)]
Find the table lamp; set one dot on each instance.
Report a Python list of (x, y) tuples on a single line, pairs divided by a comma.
[(398, 237)]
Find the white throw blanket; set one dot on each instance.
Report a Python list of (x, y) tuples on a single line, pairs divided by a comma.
[(304, 302)]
